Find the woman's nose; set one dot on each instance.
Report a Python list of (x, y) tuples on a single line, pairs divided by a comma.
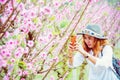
[(88, 41)]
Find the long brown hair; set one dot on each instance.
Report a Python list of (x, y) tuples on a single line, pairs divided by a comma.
[(97, 48)]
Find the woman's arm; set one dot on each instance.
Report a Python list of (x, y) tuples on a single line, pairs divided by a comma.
[(93, 59), (105, 61), (77, 60)]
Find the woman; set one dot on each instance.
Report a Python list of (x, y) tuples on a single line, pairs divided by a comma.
[(98, 53)]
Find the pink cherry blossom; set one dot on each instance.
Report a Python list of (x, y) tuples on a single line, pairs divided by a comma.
[(56, 59), (12, 60), (49, 36), (29, 66), (8, 54), (3, 63), (31, 25), (20, 49), (6, 77), (2, 1), (1, 58), (5, 53), (52, 78), (30, 43), (7, 34), (3, 19), (43, 55), (22, 79), (25, 73), (19, 52), (93, 1), (20, 72), (47, 10), (57, 4), (11, 44), (26, 50), (25, 29), (78, 5), (21, 6)]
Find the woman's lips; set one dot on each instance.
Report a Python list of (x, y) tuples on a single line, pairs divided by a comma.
[(89, 44)]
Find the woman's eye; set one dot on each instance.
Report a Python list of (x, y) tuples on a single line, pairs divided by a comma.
[(89, 37)]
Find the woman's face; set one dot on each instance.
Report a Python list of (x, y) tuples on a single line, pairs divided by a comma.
[(89, 40)]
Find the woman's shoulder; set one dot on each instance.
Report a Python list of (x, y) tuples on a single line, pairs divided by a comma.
[(107, 46)]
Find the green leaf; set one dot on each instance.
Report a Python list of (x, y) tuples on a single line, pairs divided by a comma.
[(23, 44), (64, 23), (36, 42), (3, 41), (118, 8), (38, 77), (66, 3), (113, 2), (14, 37), (18, 1), (117, 35), (35, 20), (60, 64), (52, 18), (56, 32), (22, 65), (34, 1), (105, 13), (72, 4), (50, 26), (2, 73), (18, 36)]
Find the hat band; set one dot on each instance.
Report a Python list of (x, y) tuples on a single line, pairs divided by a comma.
[(92, 33)]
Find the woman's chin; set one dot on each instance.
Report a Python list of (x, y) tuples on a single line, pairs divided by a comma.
[(89, 46)]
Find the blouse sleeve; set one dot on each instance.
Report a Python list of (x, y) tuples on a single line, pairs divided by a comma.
[(77, 60), (106, 59)]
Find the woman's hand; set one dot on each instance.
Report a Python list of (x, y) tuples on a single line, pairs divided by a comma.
[(80, 49), (77, 47)]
